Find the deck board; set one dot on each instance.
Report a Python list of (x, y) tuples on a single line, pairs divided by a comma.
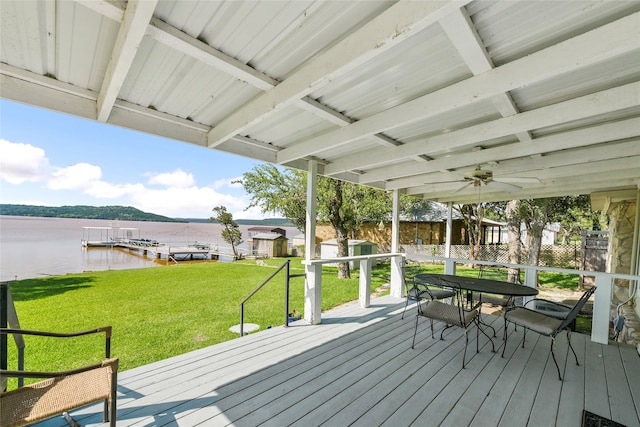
[(358, 368)]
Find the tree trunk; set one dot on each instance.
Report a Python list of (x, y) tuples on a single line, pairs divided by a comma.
[(537, 225), (342, 235), (515, 244)]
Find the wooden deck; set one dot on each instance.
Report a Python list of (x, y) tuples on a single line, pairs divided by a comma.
[(358, 368)]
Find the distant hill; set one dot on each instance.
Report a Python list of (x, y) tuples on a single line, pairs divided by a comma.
[(266, 222), (123, 213)]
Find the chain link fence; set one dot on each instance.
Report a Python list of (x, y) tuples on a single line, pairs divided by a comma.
[(558, 256)]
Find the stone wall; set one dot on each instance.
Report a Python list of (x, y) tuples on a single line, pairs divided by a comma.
[(620, 247)]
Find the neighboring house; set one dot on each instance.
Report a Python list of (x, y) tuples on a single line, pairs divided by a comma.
[(329, 249), (269, 245)]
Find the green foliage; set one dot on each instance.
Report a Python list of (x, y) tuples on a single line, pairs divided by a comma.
[(231, 233), (123, 213), (158, 312), (277, 190)]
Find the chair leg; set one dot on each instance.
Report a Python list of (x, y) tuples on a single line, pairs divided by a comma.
[(466, 341), (406, 304), (505, 335), (571, 347), (524, 336), (415, 332), (493, 347), (553, 342)]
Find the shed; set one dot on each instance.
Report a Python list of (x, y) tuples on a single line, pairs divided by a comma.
[(298, 244), (329, 249), (270, 245), (261, 230)]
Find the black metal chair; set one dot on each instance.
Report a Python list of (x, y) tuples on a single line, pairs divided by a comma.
[(418, 291), (453, 314), (546, 325)]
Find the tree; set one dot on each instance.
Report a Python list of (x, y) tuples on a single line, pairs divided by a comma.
[(472, 215), (512, 212), (282, 191), (346, 206), (231, 233)]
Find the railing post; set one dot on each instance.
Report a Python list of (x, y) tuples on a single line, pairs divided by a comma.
[(601, 307), (365, 283), (530, 280), (313, 294), (450, 267), (286, 294), (4, 342), (242, 319), (396, 279)]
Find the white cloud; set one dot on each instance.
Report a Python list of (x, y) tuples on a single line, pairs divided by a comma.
[(22, 162), (80, 176), (175, 179), (173, 194), (185, 202)]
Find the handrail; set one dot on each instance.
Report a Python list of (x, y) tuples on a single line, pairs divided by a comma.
[(288, 276)]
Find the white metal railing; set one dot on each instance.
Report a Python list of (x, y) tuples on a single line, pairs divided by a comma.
[(313, 286)]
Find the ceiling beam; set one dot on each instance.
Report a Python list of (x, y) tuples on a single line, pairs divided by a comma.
[(563, 187), (132, 29), (586, 106), (467, 42), (396, 24), (545, 167), (548, 144), (180, 41), (600, 44)]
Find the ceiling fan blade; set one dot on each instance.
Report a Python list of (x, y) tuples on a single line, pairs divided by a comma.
[(523, 180), (503, 186), (465, 185)]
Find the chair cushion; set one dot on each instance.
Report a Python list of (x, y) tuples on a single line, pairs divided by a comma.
[(533, 320), (447, 313), (437, 294)]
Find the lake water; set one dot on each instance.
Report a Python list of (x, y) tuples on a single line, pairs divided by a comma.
[(37, 247)]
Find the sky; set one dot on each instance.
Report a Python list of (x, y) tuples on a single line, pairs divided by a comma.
[(53, 159)]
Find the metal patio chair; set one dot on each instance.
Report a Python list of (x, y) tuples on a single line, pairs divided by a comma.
[(418, 291), (454, 314), (546, 325)]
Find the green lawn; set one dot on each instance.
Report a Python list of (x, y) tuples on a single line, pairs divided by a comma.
[(161, 312), (158, 312)]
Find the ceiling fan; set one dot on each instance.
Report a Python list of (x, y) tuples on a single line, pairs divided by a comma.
[(479, 177)]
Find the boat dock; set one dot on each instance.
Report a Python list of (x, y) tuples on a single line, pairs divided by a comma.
[(129, 238)]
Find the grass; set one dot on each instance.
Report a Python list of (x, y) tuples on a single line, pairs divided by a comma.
[(157, 313)]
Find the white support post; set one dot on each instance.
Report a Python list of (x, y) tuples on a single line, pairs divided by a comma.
[(397, 278), (395, 222), (450, 267), (601, 307), (449, 231), (397, 263), (313, 284), (365, 283), (313, 294), (530, 280)]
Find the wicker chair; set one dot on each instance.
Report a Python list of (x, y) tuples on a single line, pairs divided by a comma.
[(546, 325), (61, 391)]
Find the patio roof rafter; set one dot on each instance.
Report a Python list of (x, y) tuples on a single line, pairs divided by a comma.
[(395, 25), (134, 23), (606, 42)]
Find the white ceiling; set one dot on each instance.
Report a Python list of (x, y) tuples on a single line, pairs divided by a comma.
[(395, 95)]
